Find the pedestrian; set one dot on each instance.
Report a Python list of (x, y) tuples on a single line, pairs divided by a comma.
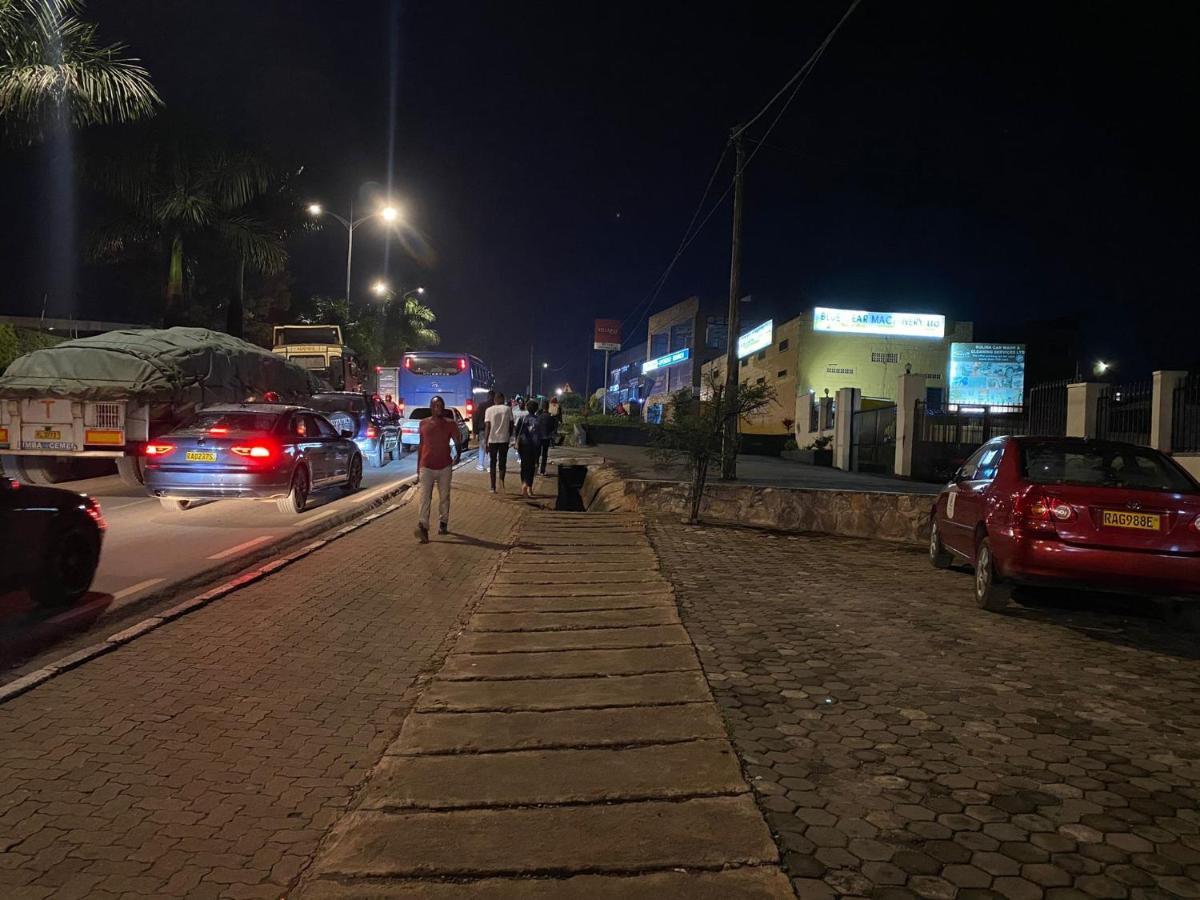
[(434, 466), (497, 431), (547, 431), (478, 427), (529, 446), (392, 407)]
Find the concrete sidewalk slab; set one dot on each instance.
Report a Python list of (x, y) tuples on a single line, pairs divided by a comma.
[(655, 597), (640, 660), (534, 777), (566, 693), (563, 621), (625, 837), (618, 726), (597, 589), (578, 639)]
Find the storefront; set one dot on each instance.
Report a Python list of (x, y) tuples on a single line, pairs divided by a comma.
[(679, 340)]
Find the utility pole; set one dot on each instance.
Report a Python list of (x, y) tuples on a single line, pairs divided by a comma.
[(729, 444), (529, 392), (604, 398)]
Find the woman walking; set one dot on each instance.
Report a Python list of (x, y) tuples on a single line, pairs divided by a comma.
[(529, 446)]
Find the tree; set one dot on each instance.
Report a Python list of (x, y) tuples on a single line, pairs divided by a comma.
[(53, 69), (379, 335), (407, 325), (694, 429), (170, 195)]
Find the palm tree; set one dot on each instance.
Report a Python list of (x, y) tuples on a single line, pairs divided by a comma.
[(52, 68), (168, 195), (408, 325)]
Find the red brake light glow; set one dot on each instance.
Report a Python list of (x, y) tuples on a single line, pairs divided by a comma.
[(372, 432), (92, 507), (462, 365), (408, 362), (1039, 511), (218, 429), (159, 449), (470, 406), (254, 451)]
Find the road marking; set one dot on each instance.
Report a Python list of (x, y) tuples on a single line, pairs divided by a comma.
[(134, 588), (240, 547)]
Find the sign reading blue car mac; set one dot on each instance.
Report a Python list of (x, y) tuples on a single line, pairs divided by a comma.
[(669, 360), (756, 338), (859, 321), (987, 374)]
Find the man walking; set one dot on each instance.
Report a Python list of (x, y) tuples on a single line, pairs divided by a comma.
[(479, 428), (497, 432), (434, 465)]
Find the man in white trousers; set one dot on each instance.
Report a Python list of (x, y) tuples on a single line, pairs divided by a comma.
[(434, 465)]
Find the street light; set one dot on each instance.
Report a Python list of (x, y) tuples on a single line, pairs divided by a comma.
[(1102, 367), (542, 380), (380, 288), (558, 391), (389, 214)]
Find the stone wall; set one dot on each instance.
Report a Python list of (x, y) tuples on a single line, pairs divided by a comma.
[(868, 514)]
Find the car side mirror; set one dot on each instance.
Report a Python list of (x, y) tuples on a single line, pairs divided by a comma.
[(959, 475), (347, 433)]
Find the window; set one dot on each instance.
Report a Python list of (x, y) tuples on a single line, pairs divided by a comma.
[(782, 373), (1102, 465), (432, 365), (240, 422), (989, 463), (324, 428), (762, 354), (885, 357), (760, 381), (783, 345), (967, 471), (837, 370), (328, 403)]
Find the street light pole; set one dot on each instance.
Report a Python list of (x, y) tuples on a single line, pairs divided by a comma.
[(388, 213), (729, 444), (542, 379), (349, 254)]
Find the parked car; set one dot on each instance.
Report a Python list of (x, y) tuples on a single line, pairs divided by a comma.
[(1068, 512), (252, 451), (51, 540), (376, 430), (410, 428)]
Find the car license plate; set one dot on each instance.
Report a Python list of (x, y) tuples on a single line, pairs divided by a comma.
[(202, 456), (1113, 518), (46, 434)]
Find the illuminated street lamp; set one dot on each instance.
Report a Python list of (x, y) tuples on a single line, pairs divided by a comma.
[(1102, 367), (542, 380), (558, 391), (380, 288), (389, 214)]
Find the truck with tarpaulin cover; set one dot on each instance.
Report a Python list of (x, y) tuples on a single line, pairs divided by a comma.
[(104, 397)]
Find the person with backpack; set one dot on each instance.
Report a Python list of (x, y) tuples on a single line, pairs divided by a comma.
[(529, 446), (547, 430)]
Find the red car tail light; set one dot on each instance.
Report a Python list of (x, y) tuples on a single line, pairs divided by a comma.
[(92, 507), (218, 429), (158, 450), (372, 432), (254, 451), (1038, 511), (470, 407), (462, 365), (408, 362)]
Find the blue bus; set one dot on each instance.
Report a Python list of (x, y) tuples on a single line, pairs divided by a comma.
[(458, 378)]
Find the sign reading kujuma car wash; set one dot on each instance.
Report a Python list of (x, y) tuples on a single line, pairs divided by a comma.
[(987, 374), (756, 338), (895, 324), (608, 335)]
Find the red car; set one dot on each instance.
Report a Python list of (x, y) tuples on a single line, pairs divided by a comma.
[(1069, 512)]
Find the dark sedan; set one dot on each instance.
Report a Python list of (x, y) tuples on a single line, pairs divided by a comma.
[(252, 451), (376, 430), (51, 540)]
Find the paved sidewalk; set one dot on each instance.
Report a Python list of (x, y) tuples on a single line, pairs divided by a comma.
[(905, 743), (207, 758), (569, 748)]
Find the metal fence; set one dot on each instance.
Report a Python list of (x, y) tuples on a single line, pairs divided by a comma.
[(1047, 409), (944, 438), (1123, 412), (874, 443), (1185, 418)]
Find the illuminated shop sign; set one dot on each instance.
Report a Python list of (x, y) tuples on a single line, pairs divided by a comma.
[(987, 374), (756, 338), (859, 321), (669, 360)]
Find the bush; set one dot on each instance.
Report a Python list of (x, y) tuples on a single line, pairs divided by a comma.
[(16, 342)]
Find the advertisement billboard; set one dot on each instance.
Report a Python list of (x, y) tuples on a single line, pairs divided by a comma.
[(670, 359), (893, 324), (756, 339), (987, 374), (608, 335)]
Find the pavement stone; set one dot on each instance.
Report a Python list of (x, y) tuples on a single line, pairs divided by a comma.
[(578, 639), (565, 693), (207, 758), (560, 620), (678, 658), (1048, 751)]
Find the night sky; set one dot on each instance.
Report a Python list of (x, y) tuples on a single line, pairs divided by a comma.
[(999, 164)]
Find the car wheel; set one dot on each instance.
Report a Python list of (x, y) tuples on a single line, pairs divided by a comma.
[(172, 505), (293, 504), (69, 567), (354, 475), (989, 593), (939, 556), (129, 468), (381, 456)]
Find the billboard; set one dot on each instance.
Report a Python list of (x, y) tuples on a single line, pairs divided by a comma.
[(987, 374), (756, 338), (670, 359), (608, 335), (860, 321)]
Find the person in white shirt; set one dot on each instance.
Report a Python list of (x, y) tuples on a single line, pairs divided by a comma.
[(497, 432)]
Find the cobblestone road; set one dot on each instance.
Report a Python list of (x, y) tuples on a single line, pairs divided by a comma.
[(207, 758), (904, 742)]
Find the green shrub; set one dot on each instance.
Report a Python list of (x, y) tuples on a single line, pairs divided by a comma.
[(16, 342)]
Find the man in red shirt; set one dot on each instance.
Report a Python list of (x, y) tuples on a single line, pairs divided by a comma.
[(434, 465)]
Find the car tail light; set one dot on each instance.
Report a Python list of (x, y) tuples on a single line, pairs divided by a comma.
[(378, 369), (372, 432), (470, 407), (1039, 511), (254, 451), (159, 450), (408, 362), (218, 429), (462, 365), (92, 507)]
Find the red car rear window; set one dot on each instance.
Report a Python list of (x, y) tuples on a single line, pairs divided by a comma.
[(1102, 465)]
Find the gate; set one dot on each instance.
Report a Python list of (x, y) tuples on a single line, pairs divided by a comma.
[(1047, 408), (1185, 418), (1123, 412), (873, 447), (943, 440)]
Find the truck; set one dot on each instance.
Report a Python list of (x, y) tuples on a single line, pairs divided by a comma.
[(321, 350), (103, 397)]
